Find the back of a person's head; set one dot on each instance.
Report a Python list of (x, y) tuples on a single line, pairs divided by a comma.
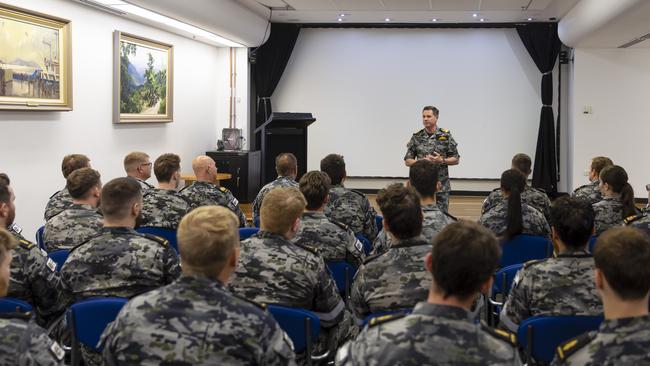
[(81, 181), (73, 162), (522, 163), (207, 237), (7, 243), (280, 209), (401, 209), (4, 178), (513, 182), (622, 255), (334, 166), (133, 160), (617, 179), (286, 164), (118, 196), (464, 256), (165, 166), (599, 163), (315, 186), (423, 175), (573, 219), (5, 193)]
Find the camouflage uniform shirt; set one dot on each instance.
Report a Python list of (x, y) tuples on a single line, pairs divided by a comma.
[(394, 280), (442, 142), (75, 225), (534, 222), (57, 203), (431, 335), (163, 208), (24, 343), (206, 194), (119, 262), (353, 209), (609, 213), (553, 287), (194, 321), (530, 196), (278, 182), (590, 192), (640, 221), (143, 185)]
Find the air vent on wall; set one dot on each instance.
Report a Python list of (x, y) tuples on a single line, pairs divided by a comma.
[(102, 7), (635, 41)]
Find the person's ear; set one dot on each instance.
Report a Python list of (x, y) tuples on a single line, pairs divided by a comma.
[(438, 186), (296, 225), (487, 285), (428, 262), (598, 279), (135, 209)]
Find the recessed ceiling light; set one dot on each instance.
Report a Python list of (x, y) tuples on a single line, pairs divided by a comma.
[(474, 15), (387, 19), (482, 19), (434, 20)]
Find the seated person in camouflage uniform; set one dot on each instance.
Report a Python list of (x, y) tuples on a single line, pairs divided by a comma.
[(138, 166), (562, 285), (286, 165), (623, 282), (591, 192), (273, 270), (440, 331), (423, 176), (395, 279), (81, 221), (642, 220), (21, 341), (334, 240), (531, 196), (206, 192), (61, 200), (348, 206), (164, 207), (195, 320), (512, 216), (618, 199)]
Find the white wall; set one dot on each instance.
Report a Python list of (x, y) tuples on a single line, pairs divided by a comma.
[(34, 143)]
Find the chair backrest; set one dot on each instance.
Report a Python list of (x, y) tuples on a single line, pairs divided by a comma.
[(592, 243), (503, 279), (379, 220), (541, 335), (368, 318), (39, 237), (256, 221), (299, 324), (11, 305), (59, 257), (367, 245), (168, 234), (89, 318), (342, 272), (523, 248), (247, 232)]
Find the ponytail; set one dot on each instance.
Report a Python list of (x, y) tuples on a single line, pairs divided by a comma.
[(627, 198), (616, 177), (513, 182)]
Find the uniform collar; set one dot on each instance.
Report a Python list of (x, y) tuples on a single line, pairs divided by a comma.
[(431, 207), (410, 242), (443, 311), (281, 177), (201, 281), (624, 325), (314, 215), (83, 206), (269, 235), (573, 253), (119, 230)]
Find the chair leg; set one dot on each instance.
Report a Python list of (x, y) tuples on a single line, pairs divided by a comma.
[(308, 341)]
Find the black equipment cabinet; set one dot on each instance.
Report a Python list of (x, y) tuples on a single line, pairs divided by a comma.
[(245, 167)]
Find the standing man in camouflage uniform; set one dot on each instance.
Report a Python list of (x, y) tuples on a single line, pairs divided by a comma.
[(138, 166), (423, 176), (61, 200), (286, 165), (164, 207), (591, 192), (562, 285), (348, 206), (623, 281), (81, 221), (206, 192), (197, 310), (22, 342), (642, 220), (396, 279), (436, 145), (440, 330), (334, 240)]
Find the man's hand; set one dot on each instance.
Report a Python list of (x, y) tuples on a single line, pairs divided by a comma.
[(435, 158)]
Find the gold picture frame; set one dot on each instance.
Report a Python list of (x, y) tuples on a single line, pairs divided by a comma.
[(35, 61), (143, 80)]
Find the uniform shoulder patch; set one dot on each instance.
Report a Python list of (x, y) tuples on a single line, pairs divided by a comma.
[(534, 261), (630, 219), (158, 239), (385, 319), (339, 224), (248, 301), (566, 349), (373, 257), (501, 334), (26, 244), (358, 192), (55, 193), (449, 215), (444, 130), (313, 250), (184, 188), (223, 189)]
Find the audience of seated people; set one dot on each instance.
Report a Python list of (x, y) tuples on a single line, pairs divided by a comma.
[(138, 166), (286, 165), (618, 199), (164, 207), (591, 192), (61, 200)]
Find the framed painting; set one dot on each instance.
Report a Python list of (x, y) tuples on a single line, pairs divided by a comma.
[(143, 80), (35, 61)]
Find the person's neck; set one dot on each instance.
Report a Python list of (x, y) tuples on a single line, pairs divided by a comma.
[(137, 176), (128, 222), (205, 179), (3, 223), (563, 248), (612, 194), (431, 130), (90, 202), (167, 185), (318, 210), (188, 270), (617, 308), (436, 298), (426, 201)]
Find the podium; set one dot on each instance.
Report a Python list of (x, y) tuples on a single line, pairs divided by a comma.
[(283, 132)]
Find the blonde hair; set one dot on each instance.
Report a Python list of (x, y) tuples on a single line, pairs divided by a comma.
[(7, 243), (133, 160), (280, 209)]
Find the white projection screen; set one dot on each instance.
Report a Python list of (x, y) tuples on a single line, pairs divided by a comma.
[(366, 87)]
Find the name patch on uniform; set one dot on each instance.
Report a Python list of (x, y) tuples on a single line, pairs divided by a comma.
[(51, 264), (57, 351), (358, 245)]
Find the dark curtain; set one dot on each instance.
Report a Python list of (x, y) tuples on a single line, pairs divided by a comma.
[(270, 60), (543, 45)]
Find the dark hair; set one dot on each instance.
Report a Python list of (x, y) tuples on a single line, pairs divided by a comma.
[(73, 162), (623, 254), (423, 175), (315, 186), (464, 256), (286, 164), (117, 197), (334, 166), (5, 194), (433, 109), (599, 163), (4, 178), (81, 181), (513, 182), (401, 209), (573, 219), (522, 163), (616, 177), (165, 166)]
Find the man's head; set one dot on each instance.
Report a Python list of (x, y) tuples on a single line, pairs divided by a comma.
[(597, 165), (137, 165), (167, 168), (423, 176), (73, 162), (430, 118), (208, 242), (401, 209), (463, 260), (7, 243), (315, 186), (7, 206), (334, 166), (522, 163), (205, 169), (572, 221), (85, 185), (286, 165), (4, 178), (121, 201), (621, 256), (281, 210)]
